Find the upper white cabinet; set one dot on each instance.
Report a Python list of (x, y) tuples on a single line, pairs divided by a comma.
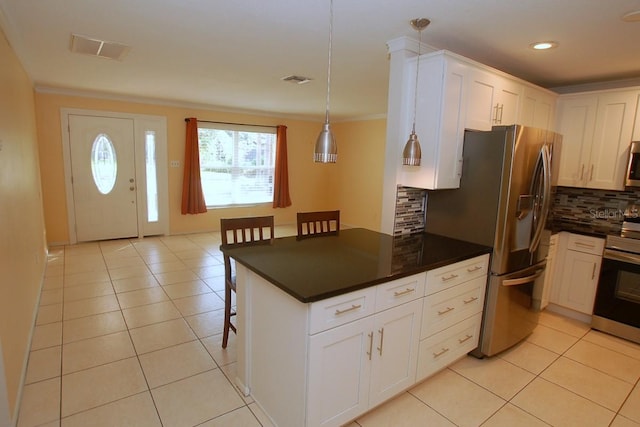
[(454, 94), (538, 108), (597, 128), (439, 112), (493, 100)]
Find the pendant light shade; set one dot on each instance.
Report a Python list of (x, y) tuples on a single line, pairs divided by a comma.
[(412, 154), (326, 150)]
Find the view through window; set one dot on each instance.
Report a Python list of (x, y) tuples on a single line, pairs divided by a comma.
[(236, 163)]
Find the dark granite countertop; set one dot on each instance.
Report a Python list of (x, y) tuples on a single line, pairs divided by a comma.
[(595, 229), (321, 267)]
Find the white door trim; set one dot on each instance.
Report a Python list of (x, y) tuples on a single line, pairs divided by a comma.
[(142, 123)]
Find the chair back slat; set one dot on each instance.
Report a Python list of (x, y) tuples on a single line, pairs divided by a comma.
[(316, 224)]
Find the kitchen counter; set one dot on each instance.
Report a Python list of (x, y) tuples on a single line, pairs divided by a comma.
[(316, 268)]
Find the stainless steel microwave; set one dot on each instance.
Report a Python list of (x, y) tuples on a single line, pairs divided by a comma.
[(633, 169)]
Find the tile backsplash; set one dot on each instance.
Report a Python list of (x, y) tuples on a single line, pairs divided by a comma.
[(599, 210), (411, 205)]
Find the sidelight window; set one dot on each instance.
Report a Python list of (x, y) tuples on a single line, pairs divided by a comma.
[(236, 163)]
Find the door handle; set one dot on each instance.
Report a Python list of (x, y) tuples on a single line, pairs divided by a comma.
[(522, 280)]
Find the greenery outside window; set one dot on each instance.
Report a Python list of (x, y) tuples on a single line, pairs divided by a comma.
[(236, 163)]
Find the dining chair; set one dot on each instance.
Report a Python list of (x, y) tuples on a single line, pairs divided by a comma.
[(316, 224), (237, 232)]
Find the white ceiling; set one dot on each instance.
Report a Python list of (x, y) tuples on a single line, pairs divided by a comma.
[(231, 54)]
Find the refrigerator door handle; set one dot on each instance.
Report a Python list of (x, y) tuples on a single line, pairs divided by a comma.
[(523, 280), (546, 197)]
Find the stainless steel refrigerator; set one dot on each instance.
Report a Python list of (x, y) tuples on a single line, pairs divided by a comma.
[(503, 202)]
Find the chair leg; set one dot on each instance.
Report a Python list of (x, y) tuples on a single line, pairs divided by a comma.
[(227, 315)]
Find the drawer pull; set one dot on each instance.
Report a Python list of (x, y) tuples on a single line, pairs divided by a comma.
[(445, 311), (466, 338), (474, 268), (400, 293), (470, 300), (440, 353), (585, 245), (449, 277), (346, 310)]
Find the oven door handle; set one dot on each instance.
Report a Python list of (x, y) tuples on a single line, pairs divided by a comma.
[(621, 256)]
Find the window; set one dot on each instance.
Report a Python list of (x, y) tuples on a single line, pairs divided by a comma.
[(236, 163), (104, 165)]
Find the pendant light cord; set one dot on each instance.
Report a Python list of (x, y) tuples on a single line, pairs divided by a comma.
[(326, 119), (415, 95)]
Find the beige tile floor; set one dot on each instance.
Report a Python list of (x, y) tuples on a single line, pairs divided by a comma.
[(128, 334)]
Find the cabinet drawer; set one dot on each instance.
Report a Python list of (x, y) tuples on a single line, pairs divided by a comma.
[(399, 291), (586, 244), (336, 311), (448, 307), (454, 274), (444, 348)]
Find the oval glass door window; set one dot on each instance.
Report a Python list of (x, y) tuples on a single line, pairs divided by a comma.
[(104, 165)]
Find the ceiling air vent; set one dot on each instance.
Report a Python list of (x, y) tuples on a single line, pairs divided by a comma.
[(297, 79), (96, 47)]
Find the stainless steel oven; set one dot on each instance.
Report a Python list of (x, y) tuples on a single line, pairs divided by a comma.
[(617, 304)]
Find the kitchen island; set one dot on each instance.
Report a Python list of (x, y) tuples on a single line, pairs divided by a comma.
[(330, 327)]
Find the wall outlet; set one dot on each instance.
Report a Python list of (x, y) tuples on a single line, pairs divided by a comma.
[(175, 163)]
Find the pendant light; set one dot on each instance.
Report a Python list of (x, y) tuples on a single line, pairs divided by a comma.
[(326, 150), (412, 154)]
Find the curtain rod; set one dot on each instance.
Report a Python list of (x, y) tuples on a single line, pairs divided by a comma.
[(231, 123)]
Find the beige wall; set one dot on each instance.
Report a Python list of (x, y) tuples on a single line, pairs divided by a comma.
[(361, 148), (313, 186), (22, 232)]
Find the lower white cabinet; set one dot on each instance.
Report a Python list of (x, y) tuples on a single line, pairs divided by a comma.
[(452, 314), (576, 274), (328, 362), (361, 364)]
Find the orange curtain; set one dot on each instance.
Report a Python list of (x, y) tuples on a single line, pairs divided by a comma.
[(192, 196), (281, 198)]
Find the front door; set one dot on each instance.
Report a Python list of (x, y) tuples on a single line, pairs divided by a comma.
[(103, 177)]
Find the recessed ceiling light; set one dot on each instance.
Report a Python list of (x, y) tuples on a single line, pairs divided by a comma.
[(543, 45), (633, 16)]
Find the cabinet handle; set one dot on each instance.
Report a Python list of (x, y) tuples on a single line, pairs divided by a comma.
[(581, 172), (400, 293), (585, 245), (593, 273), (474, 268), (470, 300), (449, 277), (438, 354), (370, 344), (501, 111), (346, 310), (466, 338), (445, 311), (381, 332), (495, 114), (591, 174)]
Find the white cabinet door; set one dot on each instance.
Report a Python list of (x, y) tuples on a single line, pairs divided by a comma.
[(538, 108), (579, 281), (612, 136), (577, 119), (395, 346), (339, 373), (597, 130), (439, 115), (492, 100)]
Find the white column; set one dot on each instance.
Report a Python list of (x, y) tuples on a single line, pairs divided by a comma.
[(399, 50)]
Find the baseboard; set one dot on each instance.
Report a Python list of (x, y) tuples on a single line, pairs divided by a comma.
[(567, 312)]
